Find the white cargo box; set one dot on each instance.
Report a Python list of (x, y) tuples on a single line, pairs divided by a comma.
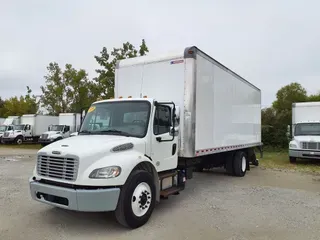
[(305, 112), (70, 119), (39, 123), (219, 110)]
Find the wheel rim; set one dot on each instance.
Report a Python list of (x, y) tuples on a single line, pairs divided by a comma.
[(19, 141), (141, 199), (244, 164)]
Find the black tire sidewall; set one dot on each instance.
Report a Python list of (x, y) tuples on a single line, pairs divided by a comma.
[(134, 180), (237, 164), (19, 137)]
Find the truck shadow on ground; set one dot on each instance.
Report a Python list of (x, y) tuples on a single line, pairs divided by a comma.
[(102, 222)]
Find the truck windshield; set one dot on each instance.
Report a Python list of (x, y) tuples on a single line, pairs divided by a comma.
[(303, 129), (57, 128), (18, 127), (3, 128), (127, 118)]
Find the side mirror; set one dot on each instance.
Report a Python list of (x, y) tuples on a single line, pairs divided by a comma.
[(289, 135), (49, 127), (174, 131)]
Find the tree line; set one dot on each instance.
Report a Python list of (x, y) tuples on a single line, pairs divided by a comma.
[(276, 118), (71, 90), (67, 89)]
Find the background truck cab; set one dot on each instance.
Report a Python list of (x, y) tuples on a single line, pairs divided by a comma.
[(68, 124), (305, 131)]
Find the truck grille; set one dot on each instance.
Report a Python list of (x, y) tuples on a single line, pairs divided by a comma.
[(44, 136), (6, 134), (64, 168), (310, 145)]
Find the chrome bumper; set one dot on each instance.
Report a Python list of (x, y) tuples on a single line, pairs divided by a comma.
[(97, 200)]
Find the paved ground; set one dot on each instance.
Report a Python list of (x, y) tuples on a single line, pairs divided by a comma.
[(263, 205)]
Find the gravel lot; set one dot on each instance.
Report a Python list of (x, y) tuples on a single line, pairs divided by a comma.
[(263, 205)]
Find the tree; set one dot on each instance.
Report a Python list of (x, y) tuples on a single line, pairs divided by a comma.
[(289, 94), (54, 96), (314, 97), (17, 106), (2, 109), (105, 80), (80, 91)]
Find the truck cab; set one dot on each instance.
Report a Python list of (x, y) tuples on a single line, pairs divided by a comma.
[(306, 141), (304, 133), (122, 143), (3, 129), (54, 133), (18, 133)]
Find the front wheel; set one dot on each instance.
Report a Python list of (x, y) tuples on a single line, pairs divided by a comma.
[(19, 140), (137, 200)]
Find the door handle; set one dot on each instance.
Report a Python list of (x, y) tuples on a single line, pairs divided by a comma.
[(174, 148)]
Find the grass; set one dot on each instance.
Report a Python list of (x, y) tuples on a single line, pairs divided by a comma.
[(22, 146), (280, 160)]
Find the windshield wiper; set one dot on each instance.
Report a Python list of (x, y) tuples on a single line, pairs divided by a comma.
[(115, 131), (85, 131)]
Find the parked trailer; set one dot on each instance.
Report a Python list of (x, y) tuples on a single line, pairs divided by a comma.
[(30, 128), (171, 113), (7, 125), (2, 120), (68, 124), (305, 130)]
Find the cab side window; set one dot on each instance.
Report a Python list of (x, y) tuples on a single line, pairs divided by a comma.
[(162, 120)]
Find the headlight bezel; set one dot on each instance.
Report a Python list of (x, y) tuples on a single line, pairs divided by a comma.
[(97, 173)]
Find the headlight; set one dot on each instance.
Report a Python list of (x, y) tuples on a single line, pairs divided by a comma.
[(106, 172), (292, 145)]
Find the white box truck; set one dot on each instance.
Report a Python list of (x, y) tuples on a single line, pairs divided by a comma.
[(68, 124), (170, 113), (7, 125), (30, 128), (305, 130)]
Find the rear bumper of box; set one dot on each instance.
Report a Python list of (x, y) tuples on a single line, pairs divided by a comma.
[(96, 200)]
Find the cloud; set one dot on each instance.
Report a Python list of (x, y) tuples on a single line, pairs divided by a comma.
[(270, 43)]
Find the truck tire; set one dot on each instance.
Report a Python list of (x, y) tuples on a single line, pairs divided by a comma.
[(137, 200), (240, 163), (19, 140), (293, 159)]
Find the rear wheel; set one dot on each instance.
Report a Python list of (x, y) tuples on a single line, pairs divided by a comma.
[(240, 164), (137, 200)]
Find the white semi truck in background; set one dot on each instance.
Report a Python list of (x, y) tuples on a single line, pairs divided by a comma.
[(171, 113), (30, 128), (68, 123), (8, 124), (305, 130)]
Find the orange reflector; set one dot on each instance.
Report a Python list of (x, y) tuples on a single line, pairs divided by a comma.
[(129, 96), (120, 97), (145, 96)]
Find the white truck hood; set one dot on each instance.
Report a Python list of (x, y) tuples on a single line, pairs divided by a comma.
[(307, 138), (91, 145)]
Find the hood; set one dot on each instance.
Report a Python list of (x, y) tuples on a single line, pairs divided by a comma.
[(89, 145), (307, 138)]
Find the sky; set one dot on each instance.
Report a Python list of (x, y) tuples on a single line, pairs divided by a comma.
[(270, 43)]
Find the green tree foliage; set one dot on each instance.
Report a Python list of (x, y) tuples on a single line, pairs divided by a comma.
[(2, 110), (105, 80), (17, 106), (67, 90), (289, 94), (276, 118)]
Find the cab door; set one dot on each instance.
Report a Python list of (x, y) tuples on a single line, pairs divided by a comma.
[(164, 146)]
